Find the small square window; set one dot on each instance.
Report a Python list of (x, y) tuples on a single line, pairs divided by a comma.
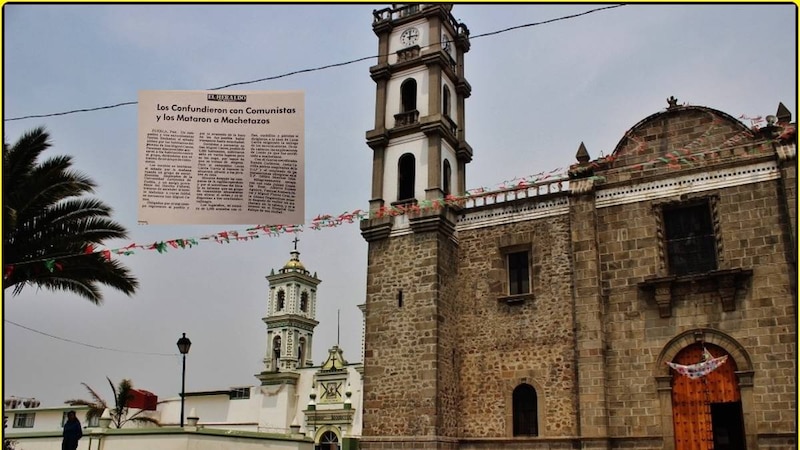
[(24, 420), (690, 243), (240, 393), (518, 273)]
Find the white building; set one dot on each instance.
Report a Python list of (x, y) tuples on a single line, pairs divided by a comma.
[(293, 403)]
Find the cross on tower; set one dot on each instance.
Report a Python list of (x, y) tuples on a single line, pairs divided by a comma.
[(296, 240)]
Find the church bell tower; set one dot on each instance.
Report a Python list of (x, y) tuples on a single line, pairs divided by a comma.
[(419, 157), (418, 143), (290, 317)]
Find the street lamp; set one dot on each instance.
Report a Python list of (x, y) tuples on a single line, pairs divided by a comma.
[(183, 346)]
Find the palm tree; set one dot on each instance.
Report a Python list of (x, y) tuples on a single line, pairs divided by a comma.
[(50, 226), (119, 413)]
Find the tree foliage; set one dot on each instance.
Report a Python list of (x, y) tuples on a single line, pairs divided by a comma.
[(50, 225)]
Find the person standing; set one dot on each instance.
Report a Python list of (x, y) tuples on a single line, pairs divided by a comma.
[(72, 432)]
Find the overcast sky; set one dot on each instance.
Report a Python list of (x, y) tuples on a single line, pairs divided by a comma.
[(537, 92)]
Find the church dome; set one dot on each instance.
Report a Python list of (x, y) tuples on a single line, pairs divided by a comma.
[(294, 264)]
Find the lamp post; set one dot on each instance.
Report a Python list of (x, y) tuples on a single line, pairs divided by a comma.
[(183, 346)]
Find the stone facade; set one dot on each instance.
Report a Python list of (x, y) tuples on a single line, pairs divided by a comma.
[(544, 316), (604, 312)]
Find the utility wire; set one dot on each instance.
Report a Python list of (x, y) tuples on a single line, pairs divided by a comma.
[(545, 22), (88, 345), (314, 69)]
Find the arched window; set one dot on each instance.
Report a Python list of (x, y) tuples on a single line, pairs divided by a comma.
[(408, 95), (304, 301), (281, 300), (301, 352), (446, 101), (446, 172), (405, 177), (276, 352), (525, 411), (328, 441)]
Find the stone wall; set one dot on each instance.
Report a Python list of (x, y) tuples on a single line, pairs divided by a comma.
[(400, 377), (763, 322), (604, 312), (411, 386), (502, 345)]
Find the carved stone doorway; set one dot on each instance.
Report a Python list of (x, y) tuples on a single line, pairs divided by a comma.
[(707, 411)]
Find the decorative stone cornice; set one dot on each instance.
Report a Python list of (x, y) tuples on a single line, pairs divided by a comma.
[(380, 72), (376, 229), (687, 184), (290, 320), (725, 282), (377, 139), (274, 378), (329, 416), (464, 152), (463, 87), (442, 220)]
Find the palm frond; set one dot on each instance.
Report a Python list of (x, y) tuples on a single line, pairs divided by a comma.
[(79, 402), (124, 393), (20, 158), (47, 219), (143, 419), (89, 291), (97, 398), (81, 275)]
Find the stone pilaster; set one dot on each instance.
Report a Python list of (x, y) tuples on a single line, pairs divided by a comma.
[(589, 313)]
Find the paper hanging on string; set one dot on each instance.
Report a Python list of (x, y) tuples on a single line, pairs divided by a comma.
[(700, 369), (221, 157)]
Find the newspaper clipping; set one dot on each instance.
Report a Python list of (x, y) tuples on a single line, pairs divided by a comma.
[(221, 157)]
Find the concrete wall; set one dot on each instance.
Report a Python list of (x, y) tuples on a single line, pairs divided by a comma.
[(166, 439)]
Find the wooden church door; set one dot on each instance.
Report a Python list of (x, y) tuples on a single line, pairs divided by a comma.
[(707, 411)]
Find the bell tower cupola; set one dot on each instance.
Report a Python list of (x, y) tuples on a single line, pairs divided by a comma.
[(418, 143)]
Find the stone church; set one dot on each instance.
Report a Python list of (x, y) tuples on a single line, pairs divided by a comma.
[(544, 316)]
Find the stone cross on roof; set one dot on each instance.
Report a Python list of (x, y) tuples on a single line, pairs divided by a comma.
[(672, 101)]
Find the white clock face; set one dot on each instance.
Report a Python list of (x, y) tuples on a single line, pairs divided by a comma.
[(409, 37)]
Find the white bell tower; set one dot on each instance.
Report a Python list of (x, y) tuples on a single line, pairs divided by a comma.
[(290, 319), (418, 143)]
